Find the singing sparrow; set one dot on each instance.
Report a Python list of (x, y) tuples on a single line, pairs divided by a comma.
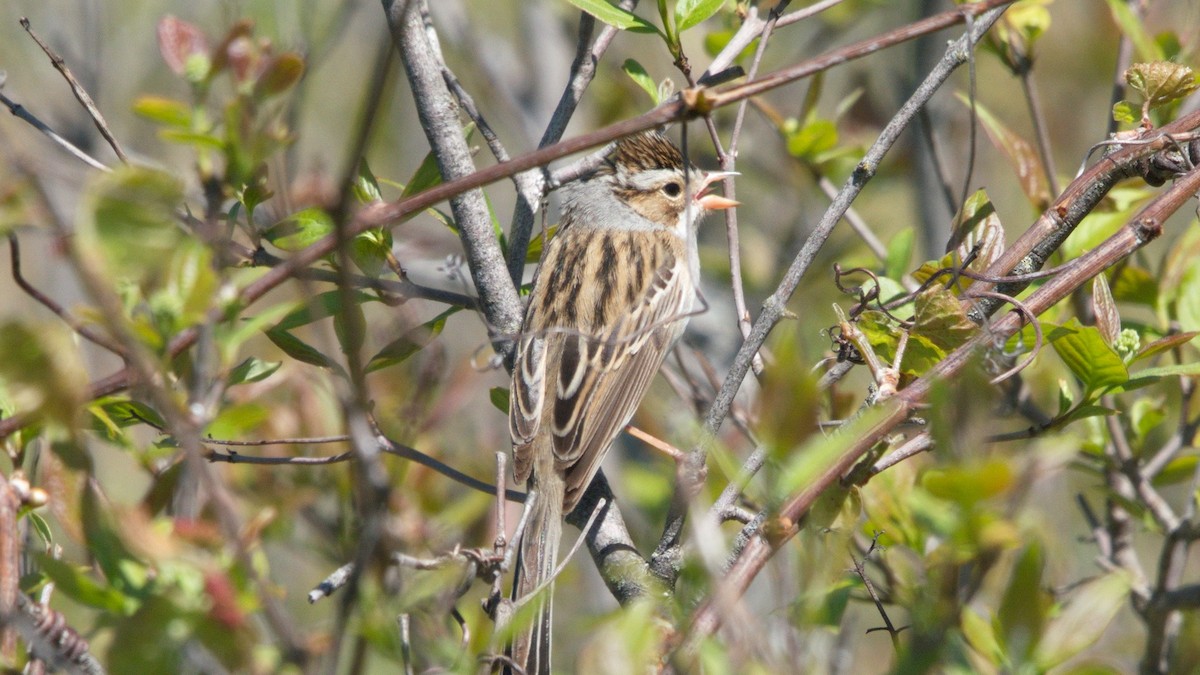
[(610, 298)]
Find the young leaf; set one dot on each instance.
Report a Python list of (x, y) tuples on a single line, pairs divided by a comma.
[(1088, 356), (939, 316), (1161, 82), (366, 186), (1108, 319), (300, 230), (184, 47), (690, 13), (165, 111), (638, 74), (370, 251), (616, 17)]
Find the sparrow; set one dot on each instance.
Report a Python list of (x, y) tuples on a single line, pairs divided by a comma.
[(610, 298)]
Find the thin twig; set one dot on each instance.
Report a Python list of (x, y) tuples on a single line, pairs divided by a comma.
[(80, 93)]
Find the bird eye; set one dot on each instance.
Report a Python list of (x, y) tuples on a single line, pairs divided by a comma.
[(672, 189)]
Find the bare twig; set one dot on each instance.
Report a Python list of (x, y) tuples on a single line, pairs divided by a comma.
[(80, 93)]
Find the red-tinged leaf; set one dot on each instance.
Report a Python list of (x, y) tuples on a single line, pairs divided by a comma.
[(939, 316), (1108, 319), (282, 72), (1163, 344), (1161, 82), (978, 237), (180, 43), (220, 56), (1021, 156)]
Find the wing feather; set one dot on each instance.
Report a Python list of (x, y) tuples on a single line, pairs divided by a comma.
[(621, 366)]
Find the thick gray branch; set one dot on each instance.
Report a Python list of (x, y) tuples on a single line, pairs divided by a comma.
[(439, 118)]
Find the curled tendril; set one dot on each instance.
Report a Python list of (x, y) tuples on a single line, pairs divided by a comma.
[(1030, 318)]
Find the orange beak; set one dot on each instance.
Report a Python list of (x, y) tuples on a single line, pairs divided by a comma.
[(714, 202)]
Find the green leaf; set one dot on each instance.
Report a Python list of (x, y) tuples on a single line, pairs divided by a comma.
[(1083, 620), (899, 253), (968, 485), (1177, 471), (105, 545), (370, 250), (130, 216), (42, 528), (237, 421), (112, 415), (538, 244), (821, 451), (300, 230), (1088, 355), (366, 186), (78, 585), (323, 306), (1126, 112), (499, 397), (166, 111), (981, 635), (1148, 376), (616, 17), (253, 369), (426, 176), (690, 13), (41, 371), (638, 74), (251, 195), (299, 349), (1135, 284), (815, 137), (411, 342), (1024, 609)]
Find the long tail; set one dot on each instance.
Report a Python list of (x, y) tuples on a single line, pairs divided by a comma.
[(536, 563)]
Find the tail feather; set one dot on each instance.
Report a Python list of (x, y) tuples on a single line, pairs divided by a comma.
[(537, 560)]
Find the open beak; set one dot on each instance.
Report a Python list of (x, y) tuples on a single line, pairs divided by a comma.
[(714, 202)]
